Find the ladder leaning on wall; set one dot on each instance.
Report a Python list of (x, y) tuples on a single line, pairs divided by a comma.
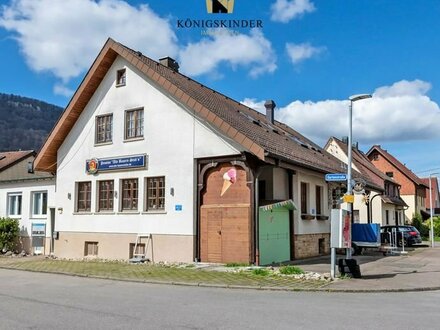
[(146, 239)]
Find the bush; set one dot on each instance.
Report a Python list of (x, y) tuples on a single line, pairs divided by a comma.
[(291, 270), (260, 272), (436, 225), (422, 227), (9, 233)]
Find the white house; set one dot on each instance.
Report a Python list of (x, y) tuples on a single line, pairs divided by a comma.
[(28, 197), (144, 151), (381, 202)]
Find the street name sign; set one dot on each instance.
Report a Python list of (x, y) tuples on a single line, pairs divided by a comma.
[(336, 177)]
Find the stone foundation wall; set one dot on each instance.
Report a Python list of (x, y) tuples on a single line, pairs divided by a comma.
[(307, 246)]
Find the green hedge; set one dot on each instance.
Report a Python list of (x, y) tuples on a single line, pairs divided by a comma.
[(9, 233), (425, 226)]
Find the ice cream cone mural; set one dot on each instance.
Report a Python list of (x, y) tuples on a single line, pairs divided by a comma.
[(229, 178)]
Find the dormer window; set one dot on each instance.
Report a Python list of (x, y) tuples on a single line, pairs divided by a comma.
[(120, 78)]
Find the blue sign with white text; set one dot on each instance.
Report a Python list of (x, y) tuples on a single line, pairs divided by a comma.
[(336, 177), (117, 163), (178, 207)]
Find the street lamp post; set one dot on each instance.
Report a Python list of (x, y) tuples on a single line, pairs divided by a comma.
[(430, 209), (352, 99)]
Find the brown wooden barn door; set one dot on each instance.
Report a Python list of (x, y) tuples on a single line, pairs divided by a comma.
[(214, 220), (225, 219)]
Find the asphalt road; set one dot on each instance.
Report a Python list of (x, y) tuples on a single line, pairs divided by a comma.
[(45, 301)]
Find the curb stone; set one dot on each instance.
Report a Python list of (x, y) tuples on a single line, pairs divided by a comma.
[(226, 286)]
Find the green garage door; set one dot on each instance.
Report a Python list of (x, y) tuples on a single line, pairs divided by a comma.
[(274, 237)]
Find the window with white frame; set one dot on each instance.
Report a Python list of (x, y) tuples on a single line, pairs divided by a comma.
[(14, 204), (39, 203)]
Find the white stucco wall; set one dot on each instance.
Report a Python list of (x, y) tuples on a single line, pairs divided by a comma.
[(310, 226), (411, 202), (173, 138), (280, 184), (26, 189)]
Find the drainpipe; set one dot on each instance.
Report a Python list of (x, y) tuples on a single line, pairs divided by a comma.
[(257, 235)]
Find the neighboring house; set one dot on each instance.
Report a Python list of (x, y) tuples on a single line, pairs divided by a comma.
[(434, 194), (381, 202), (144, 150), (412, 190), (28, 197)]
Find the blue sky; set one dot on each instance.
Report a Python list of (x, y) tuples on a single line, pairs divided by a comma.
[(309, 57)]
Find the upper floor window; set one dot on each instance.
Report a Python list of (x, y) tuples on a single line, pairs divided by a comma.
[(129, 194), (134, 123), (120, 77), (39, 203), (105, 195), (104, 125), (84, 196), (304, 197), (14, 204), (155, 193)]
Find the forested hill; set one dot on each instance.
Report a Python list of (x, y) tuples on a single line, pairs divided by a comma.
[(24, 122)]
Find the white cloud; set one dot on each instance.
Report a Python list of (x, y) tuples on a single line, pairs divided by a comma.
[(60, 89), (253, 51), (254, 104), (301, 52), (63, 37), (400, 112), (284, 10)]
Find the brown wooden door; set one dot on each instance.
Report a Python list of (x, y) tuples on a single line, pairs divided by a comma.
[(214, 222), (225, 221)]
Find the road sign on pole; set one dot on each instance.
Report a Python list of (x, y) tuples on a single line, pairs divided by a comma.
[(339, 177)]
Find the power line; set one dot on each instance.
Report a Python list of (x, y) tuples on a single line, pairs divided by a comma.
[(430, 170)]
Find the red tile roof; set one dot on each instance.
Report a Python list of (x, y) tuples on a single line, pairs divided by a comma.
[(401, 167), (246, 126), (9, 158)]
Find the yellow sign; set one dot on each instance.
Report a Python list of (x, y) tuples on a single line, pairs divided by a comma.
[(348, 199)]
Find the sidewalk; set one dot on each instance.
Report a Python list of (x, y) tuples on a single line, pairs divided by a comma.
[(417, 271)]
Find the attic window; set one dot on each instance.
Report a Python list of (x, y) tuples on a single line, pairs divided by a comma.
[(120, 78), (375, 156)]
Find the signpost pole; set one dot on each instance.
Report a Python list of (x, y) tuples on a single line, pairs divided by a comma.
[(349, 191)]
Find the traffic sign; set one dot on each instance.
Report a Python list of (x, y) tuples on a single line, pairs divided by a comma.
[(336, 177)]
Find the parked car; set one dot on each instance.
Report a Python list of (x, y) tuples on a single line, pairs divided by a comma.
[(410, 234)]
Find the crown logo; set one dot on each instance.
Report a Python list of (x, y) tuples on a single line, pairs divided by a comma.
[(220, 6)]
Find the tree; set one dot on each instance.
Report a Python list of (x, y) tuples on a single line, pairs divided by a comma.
[(9, 232)]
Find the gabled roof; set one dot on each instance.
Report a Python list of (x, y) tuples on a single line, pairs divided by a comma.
[(402, 168), (244, 125), (375, 178), (435, 192), (9, 158)]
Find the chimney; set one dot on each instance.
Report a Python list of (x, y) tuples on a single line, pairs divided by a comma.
[(169, 63), (270, 108), (355, 145), (345, 139)]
